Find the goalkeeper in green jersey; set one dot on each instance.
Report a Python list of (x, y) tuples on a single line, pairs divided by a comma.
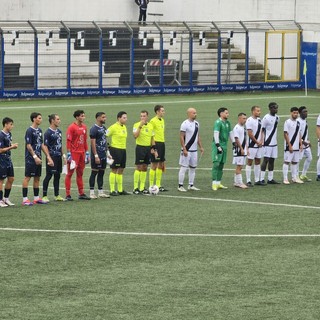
[(222, 131)]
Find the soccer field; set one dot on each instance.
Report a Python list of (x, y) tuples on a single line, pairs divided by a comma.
[(230, 254)]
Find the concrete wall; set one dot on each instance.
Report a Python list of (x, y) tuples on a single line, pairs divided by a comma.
[(183, 10)]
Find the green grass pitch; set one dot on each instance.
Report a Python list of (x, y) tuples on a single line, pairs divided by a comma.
[(230, 254)]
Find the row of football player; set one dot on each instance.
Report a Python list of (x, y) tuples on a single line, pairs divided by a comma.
[(77, 155), (254, 139)]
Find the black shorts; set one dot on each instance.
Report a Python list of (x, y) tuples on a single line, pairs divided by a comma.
[(57, 167), (161, 148), (32, 169), (101, 166), (6, 169), (142, 155), (119, 156)]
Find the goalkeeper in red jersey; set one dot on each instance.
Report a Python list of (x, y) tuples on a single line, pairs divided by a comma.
[(77, 154)]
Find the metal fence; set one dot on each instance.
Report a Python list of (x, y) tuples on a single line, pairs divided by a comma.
[(46, 58)]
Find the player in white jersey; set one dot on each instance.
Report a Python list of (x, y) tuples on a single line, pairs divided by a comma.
[(270, 127), (292, 147), (189, 140), (255, 142), (240, 149), (318, 136), (306, 151)]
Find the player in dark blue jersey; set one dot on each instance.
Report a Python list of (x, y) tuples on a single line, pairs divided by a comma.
[(6, 167), (99, 155), (34, 145), (53, 141)]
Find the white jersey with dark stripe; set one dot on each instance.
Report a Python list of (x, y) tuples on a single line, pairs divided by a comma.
[(290, 126), (304, 130), (268, 124), (253, 125), (189, 127), (239, 132)]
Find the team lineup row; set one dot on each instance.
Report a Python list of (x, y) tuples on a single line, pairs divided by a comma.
[(252, 140), (150, 148)]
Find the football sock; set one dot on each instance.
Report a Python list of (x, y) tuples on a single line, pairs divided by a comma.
[(248, 173), (46, 183), (256, 169), (25, 193), (56, 184), (143, 178), (7, 193), (136, 178), (285, 169), (36, 192), (306, 166), (294, 172), (1, 194), (158, 177), (100, 179), (182, 173), (318, 167), (112, 181), (262, 175), (152, 174), (270, 175), (119, 179), (92, 179), (192, 174)]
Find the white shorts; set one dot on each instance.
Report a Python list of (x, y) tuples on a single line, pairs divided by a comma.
[(191, 160), (291, 157), (306, 153), (239, 161), (270, 152), (255, 153)]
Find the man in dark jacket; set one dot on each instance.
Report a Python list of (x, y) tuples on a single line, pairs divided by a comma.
[(143, 4)]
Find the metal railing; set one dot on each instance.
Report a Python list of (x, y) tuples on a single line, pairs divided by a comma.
[(49, 58)]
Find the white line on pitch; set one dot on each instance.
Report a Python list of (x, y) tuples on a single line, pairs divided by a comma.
[(150, 102), (243, 201), (154, 234)]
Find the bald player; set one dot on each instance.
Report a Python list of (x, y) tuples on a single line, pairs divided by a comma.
[(189, 140)]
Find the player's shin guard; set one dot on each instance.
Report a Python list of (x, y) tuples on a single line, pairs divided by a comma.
[(143, 178), (136, 178), (119, 179), (158, 177), (112, 181)]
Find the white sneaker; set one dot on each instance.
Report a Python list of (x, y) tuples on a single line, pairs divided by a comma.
[(8, 202), (182, 189), (103, 195), (93, 196), (193, 188), (286, 182), (2, 204), (297, 180)]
